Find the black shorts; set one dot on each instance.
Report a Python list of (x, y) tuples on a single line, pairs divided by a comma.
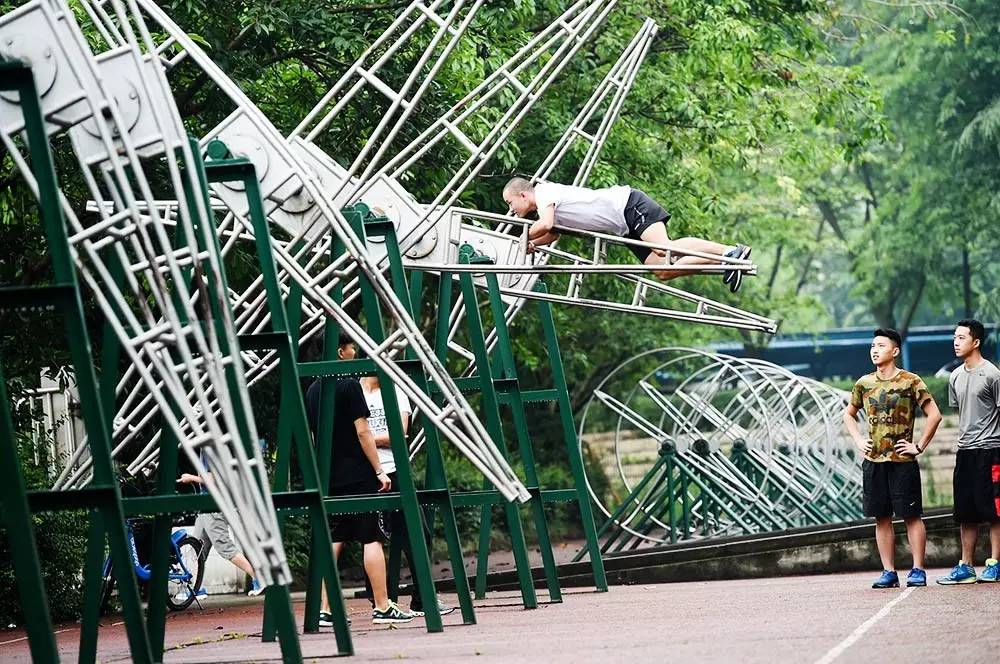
[(892, 489), (641, 212), (977, 486), (364, 527)]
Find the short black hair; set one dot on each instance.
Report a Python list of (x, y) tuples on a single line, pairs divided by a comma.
[(975, 328), (344, 340), (889, 333)]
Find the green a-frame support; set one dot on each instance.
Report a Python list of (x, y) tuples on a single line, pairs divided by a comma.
[(496, 380), (101, 498)]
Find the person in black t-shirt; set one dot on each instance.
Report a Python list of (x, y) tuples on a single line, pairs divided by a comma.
[(355, 470)]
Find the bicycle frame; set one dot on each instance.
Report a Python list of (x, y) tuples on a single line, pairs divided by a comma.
[(142, 572)]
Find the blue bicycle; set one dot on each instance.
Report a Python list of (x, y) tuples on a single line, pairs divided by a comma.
[(186, 567)]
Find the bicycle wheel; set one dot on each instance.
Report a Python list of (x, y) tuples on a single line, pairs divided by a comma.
[(107, 586), (180, 592)]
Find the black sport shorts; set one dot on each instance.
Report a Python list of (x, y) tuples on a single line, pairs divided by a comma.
[(977, 486), (892, 488), (364, 527), (641, 212)]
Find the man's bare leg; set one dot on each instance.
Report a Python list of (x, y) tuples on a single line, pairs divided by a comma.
[(375, 569), (241, 561), (995, 541), (657, 234), (917, 534), (324, 601), (885, 539), (970, 533)]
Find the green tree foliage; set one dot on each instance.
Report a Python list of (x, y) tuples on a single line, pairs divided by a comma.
[(906, 225)]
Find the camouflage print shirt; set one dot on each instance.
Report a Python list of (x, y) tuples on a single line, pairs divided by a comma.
[(891, 407)]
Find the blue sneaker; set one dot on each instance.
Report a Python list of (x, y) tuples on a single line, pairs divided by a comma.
[(887, 580), (960, 573), (182, 596), (255, 588), (991, 573), (917, 578)]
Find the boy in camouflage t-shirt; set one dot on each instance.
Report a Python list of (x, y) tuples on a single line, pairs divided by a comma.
[(889, 398)]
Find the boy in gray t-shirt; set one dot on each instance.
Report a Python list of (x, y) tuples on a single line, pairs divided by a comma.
[(974, 388)]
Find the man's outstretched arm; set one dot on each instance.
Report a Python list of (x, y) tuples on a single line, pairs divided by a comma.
[(543, 227)]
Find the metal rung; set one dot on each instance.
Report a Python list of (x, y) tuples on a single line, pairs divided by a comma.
[(426, 11), (381, 86), (182, 256), (515, 81), (461, 137), (159, 333), (639, 297), (102, 226), (580, 132), (575, 281), (462, 351)]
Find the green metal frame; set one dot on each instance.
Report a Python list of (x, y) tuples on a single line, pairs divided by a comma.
[(497, 382), (101, 497), (436, 496)]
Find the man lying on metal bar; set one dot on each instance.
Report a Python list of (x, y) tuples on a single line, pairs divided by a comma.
[(618, 210)]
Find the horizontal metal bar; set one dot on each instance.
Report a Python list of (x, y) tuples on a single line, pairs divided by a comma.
[(580, 268), (361, 367), (59, 500), (32, 297)]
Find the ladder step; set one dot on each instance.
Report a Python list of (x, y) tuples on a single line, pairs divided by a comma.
[(32, 297), (45, 501), (337, 368)]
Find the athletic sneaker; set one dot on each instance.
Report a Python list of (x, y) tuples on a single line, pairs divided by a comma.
[(182, 596), (443, 609), (737, 275), (326, 619), (255, 588), (393, 614), (991, 573), (887, 580), (732, 253), (960, 573), (917, 578)]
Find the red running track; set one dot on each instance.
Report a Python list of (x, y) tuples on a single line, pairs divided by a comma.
[(834, 618)]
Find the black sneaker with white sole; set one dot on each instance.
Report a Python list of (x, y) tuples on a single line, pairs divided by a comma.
[(326, 619), (732, 253), (392, 614), (737, 279)]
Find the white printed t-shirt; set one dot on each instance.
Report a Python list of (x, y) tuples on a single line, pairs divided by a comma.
[(598, 210), (377, 423)]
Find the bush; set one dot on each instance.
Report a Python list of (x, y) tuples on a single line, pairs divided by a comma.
[(61, 544)]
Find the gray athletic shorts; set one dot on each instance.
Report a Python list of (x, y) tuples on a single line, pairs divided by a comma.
[(214, 531)]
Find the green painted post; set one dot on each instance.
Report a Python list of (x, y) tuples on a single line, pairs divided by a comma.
[(17, 519), (491, 409), (436, 493), (508, 372), (573, 445), (18, 78), (293, 428), (421, 565), (93, 569)]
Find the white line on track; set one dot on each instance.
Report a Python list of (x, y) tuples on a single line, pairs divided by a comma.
[(58, 631), (838, 649)]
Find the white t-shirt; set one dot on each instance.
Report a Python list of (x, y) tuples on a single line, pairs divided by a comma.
[(598, 210), (378, 425)]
